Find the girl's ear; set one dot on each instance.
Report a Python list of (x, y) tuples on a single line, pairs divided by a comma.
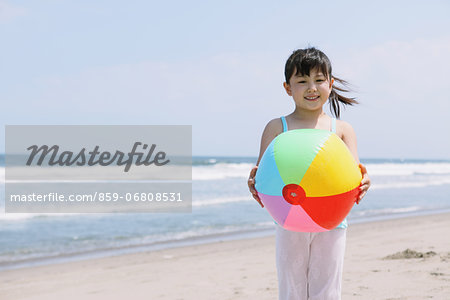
[(287, 87), (331, 82)]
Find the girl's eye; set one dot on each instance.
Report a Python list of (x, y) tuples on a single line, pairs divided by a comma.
[(318, 80)]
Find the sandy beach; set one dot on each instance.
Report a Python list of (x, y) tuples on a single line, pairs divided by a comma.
[(406, 258)]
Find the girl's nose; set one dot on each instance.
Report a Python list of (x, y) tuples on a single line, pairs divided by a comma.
[(311, 87)]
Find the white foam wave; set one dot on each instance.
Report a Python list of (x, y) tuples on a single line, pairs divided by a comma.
[(218, 201), (221, 171), (24, 216), (195, 203), (206, 172), (412, 184), (394, 169), (241, 170)]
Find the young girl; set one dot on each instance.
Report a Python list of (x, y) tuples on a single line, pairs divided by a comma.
[(309, 265)]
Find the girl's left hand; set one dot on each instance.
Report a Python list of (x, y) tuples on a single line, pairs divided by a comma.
[(365, 183)]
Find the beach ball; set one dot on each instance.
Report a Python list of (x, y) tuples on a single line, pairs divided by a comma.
[(308, 180)]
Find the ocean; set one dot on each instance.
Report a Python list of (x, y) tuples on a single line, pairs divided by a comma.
[(222, 209)]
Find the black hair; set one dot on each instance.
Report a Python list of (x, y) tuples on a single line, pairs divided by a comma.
[(302, 61)]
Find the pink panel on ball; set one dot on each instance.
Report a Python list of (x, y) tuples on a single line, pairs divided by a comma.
[(277, 207), (299, 220)]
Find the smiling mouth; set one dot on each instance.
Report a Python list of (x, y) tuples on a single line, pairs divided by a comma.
[(312, 98)]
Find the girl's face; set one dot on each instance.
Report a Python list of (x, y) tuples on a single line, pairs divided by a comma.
[(309, 92)]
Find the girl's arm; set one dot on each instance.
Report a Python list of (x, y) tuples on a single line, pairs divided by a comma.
[(273, 128), (348, 135)]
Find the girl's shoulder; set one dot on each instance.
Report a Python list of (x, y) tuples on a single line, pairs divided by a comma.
[(345, 130), (273, 128)]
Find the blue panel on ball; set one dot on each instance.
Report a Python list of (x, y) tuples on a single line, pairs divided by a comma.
[(269, 182)]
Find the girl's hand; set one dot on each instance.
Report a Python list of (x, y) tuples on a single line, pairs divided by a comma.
[(365, 183), (251, 185)]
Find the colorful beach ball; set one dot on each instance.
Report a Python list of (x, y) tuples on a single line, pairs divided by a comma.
[(308, 180)]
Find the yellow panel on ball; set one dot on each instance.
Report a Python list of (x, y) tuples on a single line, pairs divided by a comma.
[(335, 163)]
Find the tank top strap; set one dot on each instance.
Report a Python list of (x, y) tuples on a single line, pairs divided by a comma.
[(333, 125), (285, 127)]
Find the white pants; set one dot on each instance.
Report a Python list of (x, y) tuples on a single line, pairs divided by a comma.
[(309, 265)]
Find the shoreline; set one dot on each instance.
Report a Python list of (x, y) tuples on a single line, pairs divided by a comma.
[(245, 269), (187, 242)]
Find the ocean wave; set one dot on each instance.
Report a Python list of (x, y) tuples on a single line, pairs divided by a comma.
[(221, 171), (124, 243), (216, 170), (24, 216), (410, 184), (242, 170), (385, 211), (396, 169), (219, 201)]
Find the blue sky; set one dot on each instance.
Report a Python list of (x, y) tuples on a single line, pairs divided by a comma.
[(218, 66)]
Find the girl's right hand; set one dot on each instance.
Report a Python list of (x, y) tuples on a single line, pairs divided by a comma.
[(251, 185)]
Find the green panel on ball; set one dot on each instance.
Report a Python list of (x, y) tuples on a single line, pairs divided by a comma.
[(294, 150)]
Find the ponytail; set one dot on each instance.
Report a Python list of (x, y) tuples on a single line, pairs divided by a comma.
[(336, 99)]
